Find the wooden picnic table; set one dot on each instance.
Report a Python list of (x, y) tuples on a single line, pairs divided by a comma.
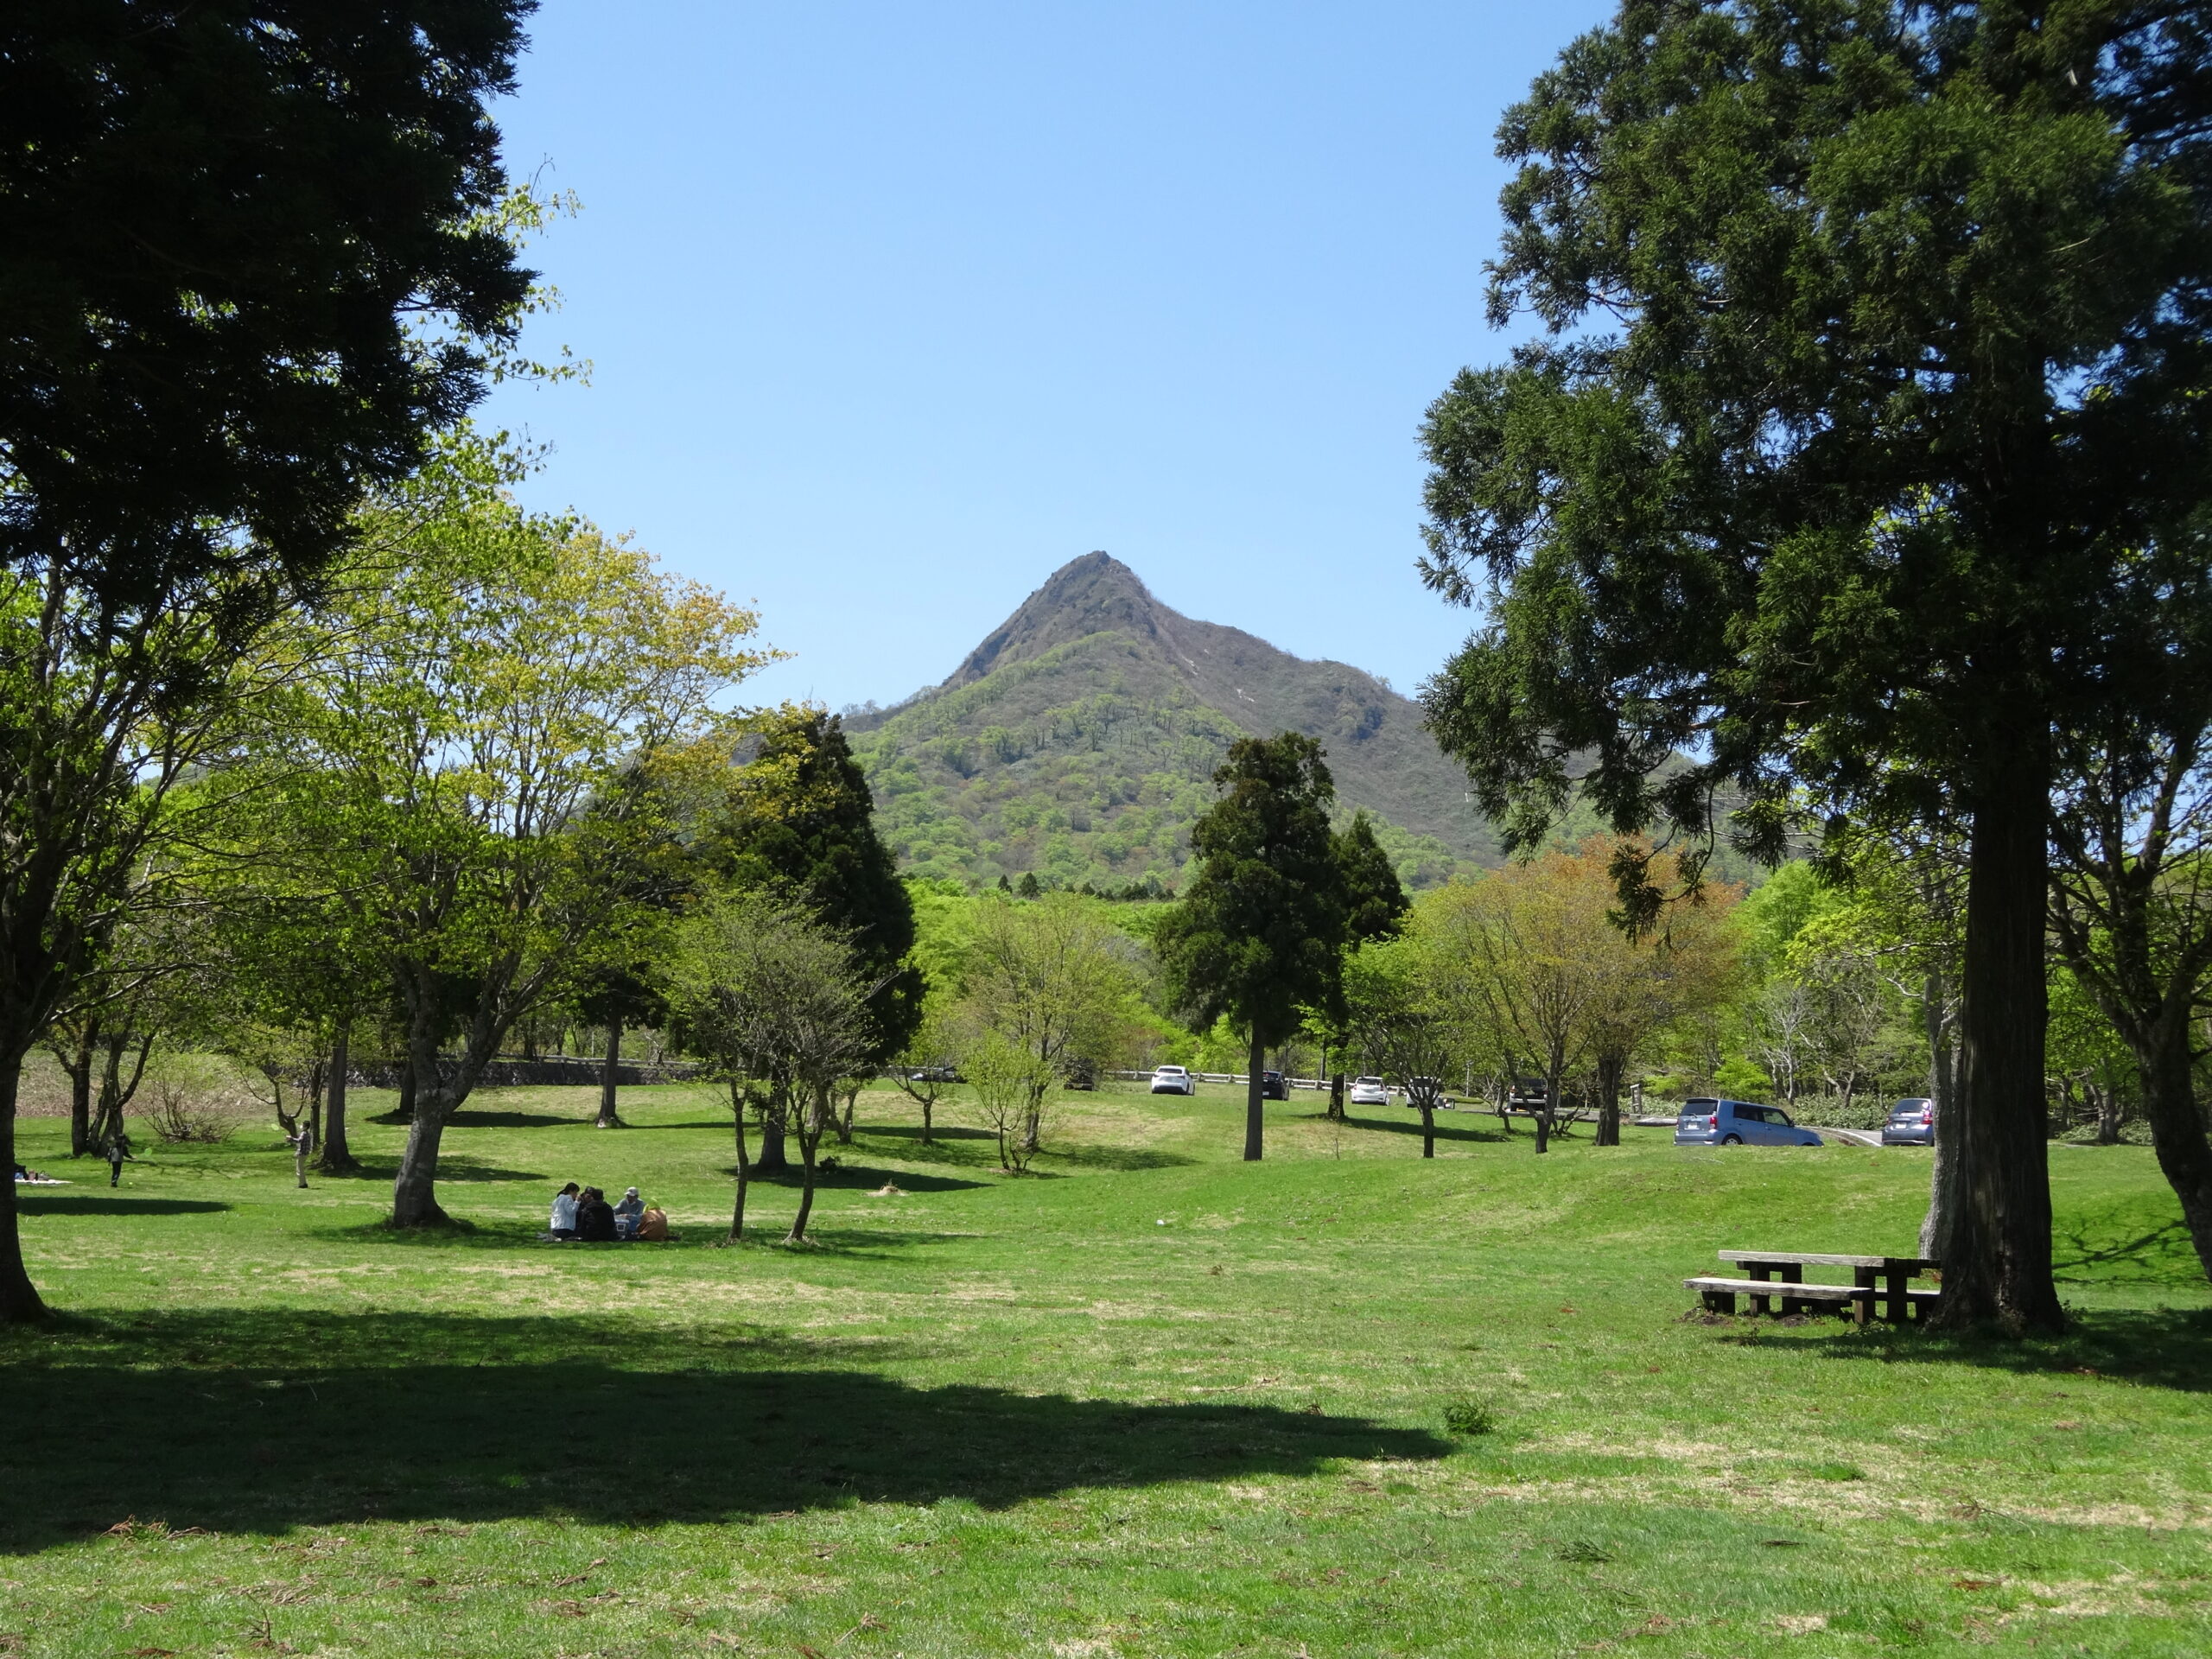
[(1873, 1278)]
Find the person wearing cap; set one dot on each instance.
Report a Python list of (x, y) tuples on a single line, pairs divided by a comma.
[(628, 1213)]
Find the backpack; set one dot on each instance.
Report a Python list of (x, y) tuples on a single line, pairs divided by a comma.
[(652, 1226)]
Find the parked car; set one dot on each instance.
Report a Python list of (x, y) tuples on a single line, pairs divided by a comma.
[(1370, 1091), (1911, 1123), (1173, 1080), (1526, 1095), (1738, 1123), (1273, 1086)]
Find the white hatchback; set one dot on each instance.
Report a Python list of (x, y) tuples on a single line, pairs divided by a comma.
[(1370, 1091), (1173, 1080)]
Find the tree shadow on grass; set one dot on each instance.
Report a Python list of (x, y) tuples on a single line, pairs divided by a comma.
[(34, 1203), (264, 1419), (858, 1178), (1115, 1158), (2125, 1247), (450, 1169), (2168, 1349), (466, 1118), (1446, 1129)]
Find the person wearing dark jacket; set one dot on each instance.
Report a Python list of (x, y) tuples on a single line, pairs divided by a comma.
[(595, 1218)]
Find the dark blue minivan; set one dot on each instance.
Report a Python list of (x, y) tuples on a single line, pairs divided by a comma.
[(1738, 1123)]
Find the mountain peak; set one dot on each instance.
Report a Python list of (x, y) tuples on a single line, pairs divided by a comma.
[(1095, 593)]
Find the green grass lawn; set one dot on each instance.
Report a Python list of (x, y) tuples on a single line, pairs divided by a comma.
[(1149, 1400)]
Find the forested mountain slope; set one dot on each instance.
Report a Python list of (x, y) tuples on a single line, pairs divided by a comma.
[(1078, 739)]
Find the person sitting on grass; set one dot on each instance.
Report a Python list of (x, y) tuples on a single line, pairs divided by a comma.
[(652, 1227), (563, 1222), (595, 1218), (627, 1215)]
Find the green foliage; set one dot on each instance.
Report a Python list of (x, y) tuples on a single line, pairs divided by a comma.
[(797, 818), (1374, 903), (219, 239), (1258, 934), (1899, 336)]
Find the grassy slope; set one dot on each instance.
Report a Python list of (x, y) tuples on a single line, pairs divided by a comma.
[(991, 1416)]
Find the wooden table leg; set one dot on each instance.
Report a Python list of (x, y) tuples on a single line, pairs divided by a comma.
[(1793, 1273), (1900, 1304), (1761, 1272)]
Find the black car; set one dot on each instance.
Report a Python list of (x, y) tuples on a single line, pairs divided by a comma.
[(1273, 1086)]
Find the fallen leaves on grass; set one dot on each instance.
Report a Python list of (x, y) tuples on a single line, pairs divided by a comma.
[(1975, 1584)]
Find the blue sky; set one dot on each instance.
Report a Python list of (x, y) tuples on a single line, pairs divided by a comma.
[(894, 310)]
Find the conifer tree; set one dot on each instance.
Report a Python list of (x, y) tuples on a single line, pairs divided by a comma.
[(1258, 934), (1877, 338)]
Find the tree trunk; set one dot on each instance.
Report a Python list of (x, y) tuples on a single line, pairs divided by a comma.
[(19, 1298), (1609, 1067), (929, 1103), (79, 1066), (337, 1157), (2108, 1104), (2178, 1135), (744, 1168), (1257, 1064), (1942, 1090), (845, 1118), (1552, 1071), (1337, 1096), (414, 1190), (608, 1117), (405, 1110), (812, 1119), (1995, 1252), (772, 1158), (1427, 1125)]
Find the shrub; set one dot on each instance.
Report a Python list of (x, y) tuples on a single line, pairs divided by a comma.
[(186, 1098), (1468, 1418)]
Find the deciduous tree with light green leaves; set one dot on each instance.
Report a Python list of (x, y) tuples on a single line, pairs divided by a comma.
[(484, 746)]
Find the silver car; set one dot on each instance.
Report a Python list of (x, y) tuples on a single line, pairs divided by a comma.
[(1738, 1123), (1911, 1123), (1370, 1091), (1173, 1080)]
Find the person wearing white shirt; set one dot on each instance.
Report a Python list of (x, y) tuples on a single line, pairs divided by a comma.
[(563, 1224)]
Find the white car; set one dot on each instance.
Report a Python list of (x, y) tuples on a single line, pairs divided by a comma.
[(1370, 1091), (1173, 1080)]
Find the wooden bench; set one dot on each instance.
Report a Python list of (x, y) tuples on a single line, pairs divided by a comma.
[(1874, 1279)]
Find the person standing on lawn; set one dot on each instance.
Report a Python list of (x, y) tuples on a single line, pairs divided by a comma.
[(302, 1141), (118, 1148)]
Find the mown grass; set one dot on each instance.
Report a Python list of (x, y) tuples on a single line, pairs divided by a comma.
[(1150, 1401)]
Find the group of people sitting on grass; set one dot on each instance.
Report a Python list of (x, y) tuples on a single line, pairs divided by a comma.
[(584, 1214)]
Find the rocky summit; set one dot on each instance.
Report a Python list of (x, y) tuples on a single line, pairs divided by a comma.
[(1079, 739)]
